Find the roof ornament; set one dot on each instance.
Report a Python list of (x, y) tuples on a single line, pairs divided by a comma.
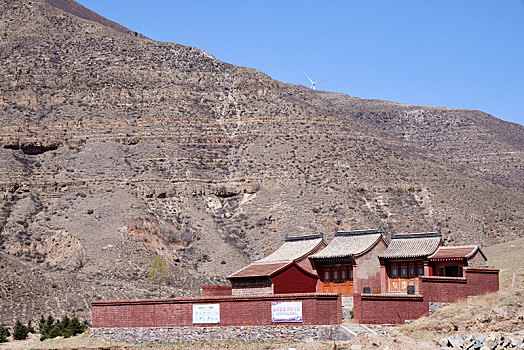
[(439, 231), (287, 238), (379, 229)]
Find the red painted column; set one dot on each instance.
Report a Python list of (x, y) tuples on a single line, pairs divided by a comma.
[(427, 271), (383, 278), (356, 284)]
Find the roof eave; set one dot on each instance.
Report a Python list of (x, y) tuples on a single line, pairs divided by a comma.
[(381, 237), (311, 250)]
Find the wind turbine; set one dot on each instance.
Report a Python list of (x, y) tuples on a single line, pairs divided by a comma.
[(313, 83)]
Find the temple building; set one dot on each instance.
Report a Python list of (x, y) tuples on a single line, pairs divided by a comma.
[(405, 259), (450, 261), (350, 262), (287, 270)]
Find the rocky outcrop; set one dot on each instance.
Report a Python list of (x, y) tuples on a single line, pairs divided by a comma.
[(490, 342)]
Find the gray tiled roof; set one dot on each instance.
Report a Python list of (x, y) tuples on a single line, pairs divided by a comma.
[(412, 245), (259, 270), (294, 248), (350, 243)]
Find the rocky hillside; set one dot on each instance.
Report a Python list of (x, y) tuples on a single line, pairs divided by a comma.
[(116, 149)]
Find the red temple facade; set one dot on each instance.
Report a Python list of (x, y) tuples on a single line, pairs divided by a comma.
[(350, 262), (405, 260)]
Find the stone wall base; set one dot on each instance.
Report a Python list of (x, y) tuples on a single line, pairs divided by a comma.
[(240, 333)]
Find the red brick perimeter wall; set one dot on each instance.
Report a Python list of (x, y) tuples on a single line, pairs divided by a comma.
[(476, 281), (216, 291), (397, 308), (388, 308), (317, 309)]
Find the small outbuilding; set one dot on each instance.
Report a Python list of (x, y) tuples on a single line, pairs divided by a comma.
[(450, 261), (350, 262), (287, 270)]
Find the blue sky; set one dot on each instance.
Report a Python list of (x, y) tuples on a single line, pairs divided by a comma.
[(462, 54)]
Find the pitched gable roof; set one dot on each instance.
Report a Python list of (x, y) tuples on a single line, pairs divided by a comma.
[(268, 270), (347, 244), (456, 252), (412, 245), (295, 248), (260, 270)]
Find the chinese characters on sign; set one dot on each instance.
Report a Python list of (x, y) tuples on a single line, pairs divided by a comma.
[(286, 311), (206, 313)]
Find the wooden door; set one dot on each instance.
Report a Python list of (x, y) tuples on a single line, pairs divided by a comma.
[(404, 274), (337, 279), (394, 280)]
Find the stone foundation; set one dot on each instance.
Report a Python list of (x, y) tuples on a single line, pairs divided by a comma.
[(241, 333)]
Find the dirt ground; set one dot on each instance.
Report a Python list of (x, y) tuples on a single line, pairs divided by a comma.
[(364, 342)]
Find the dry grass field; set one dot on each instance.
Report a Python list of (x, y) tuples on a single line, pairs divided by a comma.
[(509, 258)]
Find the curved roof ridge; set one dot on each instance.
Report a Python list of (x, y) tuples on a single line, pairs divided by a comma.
[(395, 235), (358, 232), (256, 269), (412, 246), (459, 246), (457, 251), (347, 246), (302, 238), (293, 250)]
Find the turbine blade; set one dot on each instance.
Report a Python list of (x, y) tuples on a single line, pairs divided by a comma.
[(308, 77)]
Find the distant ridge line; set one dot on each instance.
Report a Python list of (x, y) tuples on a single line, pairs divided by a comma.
[(78, 10)]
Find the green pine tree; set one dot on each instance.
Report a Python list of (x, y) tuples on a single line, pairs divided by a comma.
[(67, 327), (30, 328), (4, 334), (41, 324), (78, 328), (56, 330), (20, 331), (46, 327)]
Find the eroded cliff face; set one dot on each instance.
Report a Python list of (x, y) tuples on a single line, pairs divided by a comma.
[(116, 149)]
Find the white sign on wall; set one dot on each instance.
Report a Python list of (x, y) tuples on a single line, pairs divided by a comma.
[(286, 311), (206, 313)]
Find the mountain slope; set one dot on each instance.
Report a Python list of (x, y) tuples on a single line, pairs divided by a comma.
[(117, 149)]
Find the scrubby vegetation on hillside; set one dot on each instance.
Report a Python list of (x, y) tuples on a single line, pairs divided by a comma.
[(51, 328)]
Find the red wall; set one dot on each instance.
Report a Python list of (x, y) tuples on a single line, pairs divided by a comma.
[(396, 308), (215, 291), (294, 280), (388, 308), (482, 280), (476, 281), (317, 309)]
